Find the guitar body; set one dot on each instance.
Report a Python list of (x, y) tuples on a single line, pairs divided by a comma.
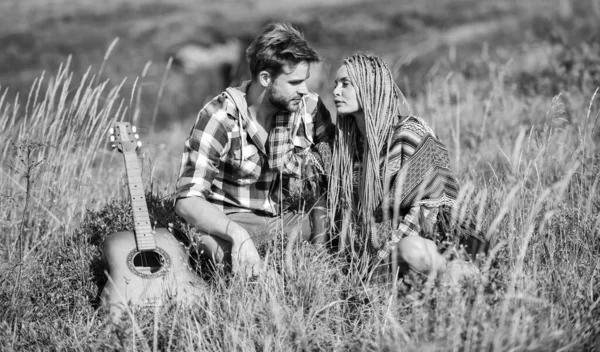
[(150, 277)]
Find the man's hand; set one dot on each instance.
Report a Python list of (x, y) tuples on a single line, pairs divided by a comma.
[(244, 256), (208, 219)]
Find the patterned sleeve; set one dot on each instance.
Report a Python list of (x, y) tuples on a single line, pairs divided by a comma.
[(410, 226), (202, 154)]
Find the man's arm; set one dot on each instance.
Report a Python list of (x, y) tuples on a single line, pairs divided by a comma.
[(199, 167), (206, 217)]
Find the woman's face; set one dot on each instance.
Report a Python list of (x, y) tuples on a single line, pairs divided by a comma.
[(344, 94)]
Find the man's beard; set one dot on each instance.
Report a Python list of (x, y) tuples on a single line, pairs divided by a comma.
[(282, 103)]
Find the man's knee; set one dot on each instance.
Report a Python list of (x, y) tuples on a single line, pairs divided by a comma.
[(421, 255), (214, 248)]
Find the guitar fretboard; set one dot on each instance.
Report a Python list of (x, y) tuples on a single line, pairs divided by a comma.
[(144, 237)]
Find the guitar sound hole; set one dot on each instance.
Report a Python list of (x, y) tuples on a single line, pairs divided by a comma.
[(148, 262)]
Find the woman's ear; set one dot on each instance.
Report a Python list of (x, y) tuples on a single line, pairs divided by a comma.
[(264, 78)]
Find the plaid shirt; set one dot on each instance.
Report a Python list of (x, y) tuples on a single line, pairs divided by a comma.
[(226, 162), (287, 153)]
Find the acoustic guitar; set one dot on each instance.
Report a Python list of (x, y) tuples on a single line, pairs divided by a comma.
[(149, 265)]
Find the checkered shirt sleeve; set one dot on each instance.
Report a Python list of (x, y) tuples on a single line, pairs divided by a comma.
[(409, 226), (202, 154)]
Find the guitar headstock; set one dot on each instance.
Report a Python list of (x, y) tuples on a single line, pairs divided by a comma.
[(124, 137)]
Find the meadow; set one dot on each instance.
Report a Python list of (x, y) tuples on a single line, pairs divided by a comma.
[(511, 87)]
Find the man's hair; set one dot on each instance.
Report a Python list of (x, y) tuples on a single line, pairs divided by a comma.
[(277, 45)]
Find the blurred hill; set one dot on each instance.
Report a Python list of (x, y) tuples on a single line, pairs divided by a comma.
[(418, 38)]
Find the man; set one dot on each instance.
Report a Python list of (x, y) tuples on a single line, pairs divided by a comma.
[(245, 144)]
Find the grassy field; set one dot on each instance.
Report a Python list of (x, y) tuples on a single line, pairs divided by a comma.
[(509, 86)]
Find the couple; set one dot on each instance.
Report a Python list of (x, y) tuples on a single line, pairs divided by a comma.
[(251, 142)]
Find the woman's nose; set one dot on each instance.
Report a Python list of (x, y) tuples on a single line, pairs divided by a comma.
[(336, 90)]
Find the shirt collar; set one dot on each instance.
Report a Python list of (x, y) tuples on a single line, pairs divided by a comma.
[(238, 96)]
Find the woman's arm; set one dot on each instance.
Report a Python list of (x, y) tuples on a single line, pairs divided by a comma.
[(411, 247)]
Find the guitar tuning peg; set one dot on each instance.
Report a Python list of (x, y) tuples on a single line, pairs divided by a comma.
[(111, 130), (139, 143), (133, 129), (137, 136), (112, 138)]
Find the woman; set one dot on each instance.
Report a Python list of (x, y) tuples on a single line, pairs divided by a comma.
[(387, 164)]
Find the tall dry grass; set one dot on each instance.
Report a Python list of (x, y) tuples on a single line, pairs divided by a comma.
[(58, 138), (529, 175)]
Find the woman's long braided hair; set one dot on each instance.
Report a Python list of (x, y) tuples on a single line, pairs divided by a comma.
[(382, 103)]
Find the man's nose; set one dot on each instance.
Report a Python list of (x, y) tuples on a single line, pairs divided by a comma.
[(303, 89)]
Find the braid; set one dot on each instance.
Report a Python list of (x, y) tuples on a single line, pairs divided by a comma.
[(381, 101)]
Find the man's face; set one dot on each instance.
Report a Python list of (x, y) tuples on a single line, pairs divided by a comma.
[(288, 88)]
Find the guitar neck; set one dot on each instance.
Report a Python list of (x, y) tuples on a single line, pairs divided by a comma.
[(144, 235)]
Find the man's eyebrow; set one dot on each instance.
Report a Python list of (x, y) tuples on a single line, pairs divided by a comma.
[(300, 80)]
